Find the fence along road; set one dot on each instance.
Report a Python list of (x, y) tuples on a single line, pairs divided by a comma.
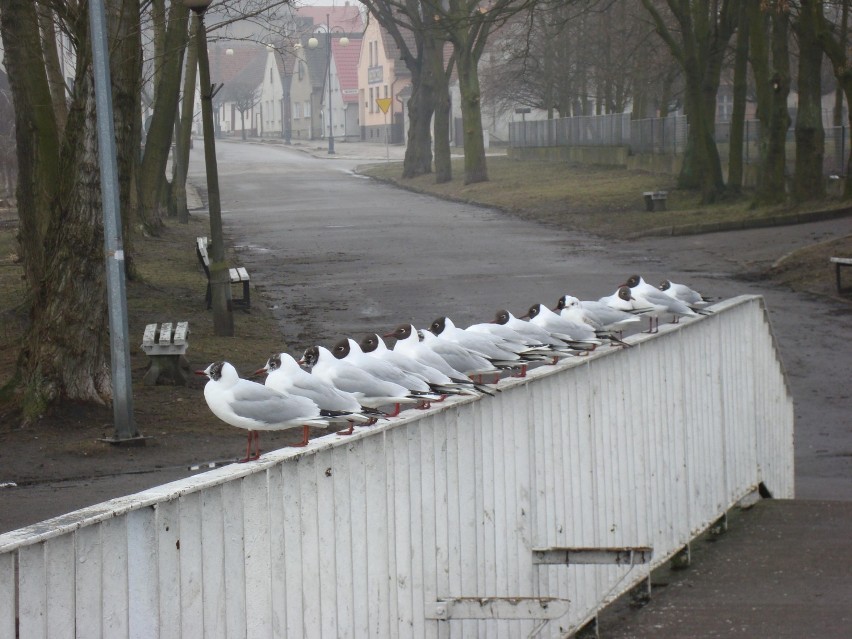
[(435, 524)]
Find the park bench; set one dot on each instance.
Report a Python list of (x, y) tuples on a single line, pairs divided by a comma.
[(840, 262), (655, 200), (237, 275), (166, 346)]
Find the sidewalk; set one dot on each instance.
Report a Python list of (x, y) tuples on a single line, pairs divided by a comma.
[(342, 149), (781, 571), (348, 150)]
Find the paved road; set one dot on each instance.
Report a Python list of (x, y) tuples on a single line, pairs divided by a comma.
[(337, 255)]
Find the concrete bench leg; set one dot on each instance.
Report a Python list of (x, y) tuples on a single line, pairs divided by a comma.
[(167, 369)]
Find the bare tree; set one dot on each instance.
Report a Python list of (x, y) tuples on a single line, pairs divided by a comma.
[(244, 97)]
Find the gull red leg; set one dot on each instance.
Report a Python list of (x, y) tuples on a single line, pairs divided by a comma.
[(397, 408), (248, 449), (348, 431), (256, 454), (306, 430)]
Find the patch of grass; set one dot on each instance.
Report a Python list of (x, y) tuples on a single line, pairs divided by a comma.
[(606, 201), (809, 270), (168, 286)]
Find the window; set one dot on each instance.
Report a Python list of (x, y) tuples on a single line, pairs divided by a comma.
[(371, 100), (270, 75)]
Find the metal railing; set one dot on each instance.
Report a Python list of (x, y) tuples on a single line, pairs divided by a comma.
[(664, 136), (440, 523)]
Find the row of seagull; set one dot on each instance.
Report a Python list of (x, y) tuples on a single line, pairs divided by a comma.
[(352, 381)]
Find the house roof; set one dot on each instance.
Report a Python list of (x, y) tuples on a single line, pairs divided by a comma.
[(230, 65), (346, 61)]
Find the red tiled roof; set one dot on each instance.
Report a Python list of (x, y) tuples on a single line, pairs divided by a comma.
[(346, 61)]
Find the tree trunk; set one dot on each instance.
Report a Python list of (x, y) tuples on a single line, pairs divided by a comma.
[(126, 76), (735, 157), (158, 142), (475, 169), (443, 159), (37, 140), (836, 51), (808, 183), (185, 138), (772, 188), (418, 149), (52, 66)]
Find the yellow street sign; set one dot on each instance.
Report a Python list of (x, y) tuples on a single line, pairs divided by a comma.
[(384, 104)]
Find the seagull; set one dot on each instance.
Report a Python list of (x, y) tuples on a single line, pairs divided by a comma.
[(410, 343), (374, 346), (532, 332), (581, 336), (368, 389), (350, 351), (693, 299), (286, 376), (255, 407), (570, 308), (647, 295), (455, 356), (599, 314), (497, 349), (622, 300)]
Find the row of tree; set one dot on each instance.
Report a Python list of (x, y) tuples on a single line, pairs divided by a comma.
[(563, 56)]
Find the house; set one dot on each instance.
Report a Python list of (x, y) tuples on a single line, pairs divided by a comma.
[(383, 80), (240, 71), (330, 58)]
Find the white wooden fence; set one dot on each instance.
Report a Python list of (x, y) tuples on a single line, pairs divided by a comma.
[(426, 526)]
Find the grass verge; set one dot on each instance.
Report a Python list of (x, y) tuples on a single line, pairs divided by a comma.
[(606, 201)]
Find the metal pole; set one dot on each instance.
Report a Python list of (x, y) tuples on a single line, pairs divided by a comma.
[(330, 109), (122, 391), (220, 285)]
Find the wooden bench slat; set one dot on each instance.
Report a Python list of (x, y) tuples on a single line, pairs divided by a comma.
[(236, 275)]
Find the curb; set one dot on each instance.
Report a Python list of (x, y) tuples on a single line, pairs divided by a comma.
[(747, 223)]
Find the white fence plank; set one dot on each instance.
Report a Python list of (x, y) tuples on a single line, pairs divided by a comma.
[(32, 587), (191, 565), (258, 577), (8, 595), (88, 584), (142, 574), (168, 568), (214, 601), (363, 536)]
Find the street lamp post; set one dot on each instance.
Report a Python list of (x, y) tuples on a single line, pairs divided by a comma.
[(220, 283), (313, 43)]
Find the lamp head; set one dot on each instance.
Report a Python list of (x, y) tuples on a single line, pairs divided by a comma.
[(313, 43), (199, 6)]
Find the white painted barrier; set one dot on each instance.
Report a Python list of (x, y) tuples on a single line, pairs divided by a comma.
[(426, 526)]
